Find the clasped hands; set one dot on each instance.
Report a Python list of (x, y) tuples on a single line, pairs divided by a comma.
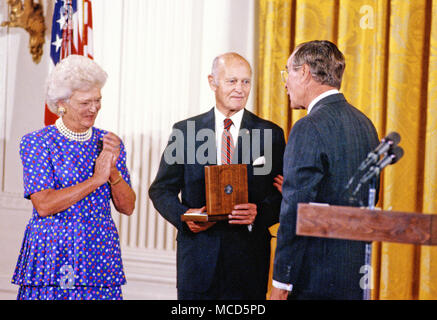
[(243, 214), (107, 160)]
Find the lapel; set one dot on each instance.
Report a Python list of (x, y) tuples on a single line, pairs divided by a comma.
[(334, 98), (244, 149), (207, 121)]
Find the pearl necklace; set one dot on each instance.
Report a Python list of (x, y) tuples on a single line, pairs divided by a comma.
[(75, 136)]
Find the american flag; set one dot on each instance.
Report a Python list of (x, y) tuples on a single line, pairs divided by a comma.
[(72, 33)]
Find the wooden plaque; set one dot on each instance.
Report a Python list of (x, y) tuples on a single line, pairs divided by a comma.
[(225, 186)]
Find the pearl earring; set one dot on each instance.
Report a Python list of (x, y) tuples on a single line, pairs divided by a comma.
[(61, 111)]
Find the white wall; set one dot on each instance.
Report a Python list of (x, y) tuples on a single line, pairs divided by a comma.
[(158, 54)]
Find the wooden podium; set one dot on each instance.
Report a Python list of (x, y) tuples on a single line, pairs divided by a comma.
[(352, 223), (225, 187)]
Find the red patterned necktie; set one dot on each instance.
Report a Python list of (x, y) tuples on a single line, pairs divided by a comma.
[(227, 143)]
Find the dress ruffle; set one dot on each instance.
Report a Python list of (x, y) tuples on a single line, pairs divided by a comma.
[(78, 293), (54, 250)]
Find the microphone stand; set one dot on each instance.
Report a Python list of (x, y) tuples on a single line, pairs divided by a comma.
[(368, 248), (352, 199), (370, 177)]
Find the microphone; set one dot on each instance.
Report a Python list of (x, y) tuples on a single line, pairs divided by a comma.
[(391, 140), (393, 156)]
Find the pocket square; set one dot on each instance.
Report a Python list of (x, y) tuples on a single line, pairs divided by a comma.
[(259, 161)]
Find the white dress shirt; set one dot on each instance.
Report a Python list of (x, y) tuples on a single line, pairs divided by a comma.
[(234, 130), (320, 97), (220, 126)]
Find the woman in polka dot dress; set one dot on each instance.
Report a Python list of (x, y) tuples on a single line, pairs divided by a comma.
[(71, 171)]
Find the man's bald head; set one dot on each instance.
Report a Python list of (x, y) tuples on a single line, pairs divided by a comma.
[(225, 58)]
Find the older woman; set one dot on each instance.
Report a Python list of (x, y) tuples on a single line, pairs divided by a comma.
[(71, 171)]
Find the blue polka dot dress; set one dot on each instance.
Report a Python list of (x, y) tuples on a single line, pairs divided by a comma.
[(74, 254)]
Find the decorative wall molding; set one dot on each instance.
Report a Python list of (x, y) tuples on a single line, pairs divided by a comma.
[(150, 265), (151, 274), (15, 201), (8, 291), (29, 16)]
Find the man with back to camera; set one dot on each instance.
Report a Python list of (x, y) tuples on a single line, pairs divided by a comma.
[(323, 151), (227, 259)]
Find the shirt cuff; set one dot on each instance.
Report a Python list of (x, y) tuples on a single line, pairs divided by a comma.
[(283, 286)]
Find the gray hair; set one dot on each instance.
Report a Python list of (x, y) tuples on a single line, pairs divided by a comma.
[(73, 73), (325, 61)]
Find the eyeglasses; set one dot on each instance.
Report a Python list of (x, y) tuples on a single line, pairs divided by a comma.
[(88, 104), (284, 76)]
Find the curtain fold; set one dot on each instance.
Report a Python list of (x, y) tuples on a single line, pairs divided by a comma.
[(274, 47), (391, 61), (428, 255)]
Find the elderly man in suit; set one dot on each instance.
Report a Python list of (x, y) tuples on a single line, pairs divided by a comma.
[(323, 151), (228, 259)]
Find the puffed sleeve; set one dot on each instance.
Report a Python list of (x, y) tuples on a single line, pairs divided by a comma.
[(38, 172)]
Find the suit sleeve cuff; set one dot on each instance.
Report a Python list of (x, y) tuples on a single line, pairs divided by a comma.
[(283, 286)]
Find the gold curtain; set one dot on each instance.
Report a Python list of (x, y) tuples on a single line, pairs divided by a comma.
[(391, 75)]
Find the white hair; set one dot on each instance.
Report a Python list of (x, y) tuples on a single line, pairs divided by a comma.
[(73, 73)]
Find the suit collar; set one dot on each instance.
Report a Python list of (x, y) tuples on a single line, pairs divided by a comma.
[(247, 124), (335, 98), (247, 121), (320, 97), (208, 120)]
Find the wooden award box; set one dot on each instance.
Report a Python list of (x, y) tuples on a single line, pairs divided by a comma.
[(225, 187)]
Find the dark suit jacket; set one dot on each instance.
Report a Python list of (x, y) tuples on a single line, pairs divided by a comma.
[(324, 150), (198, 254)]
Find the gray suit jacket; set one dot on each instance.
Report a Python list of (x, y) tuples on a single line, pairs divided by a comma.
[(324, 150)]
